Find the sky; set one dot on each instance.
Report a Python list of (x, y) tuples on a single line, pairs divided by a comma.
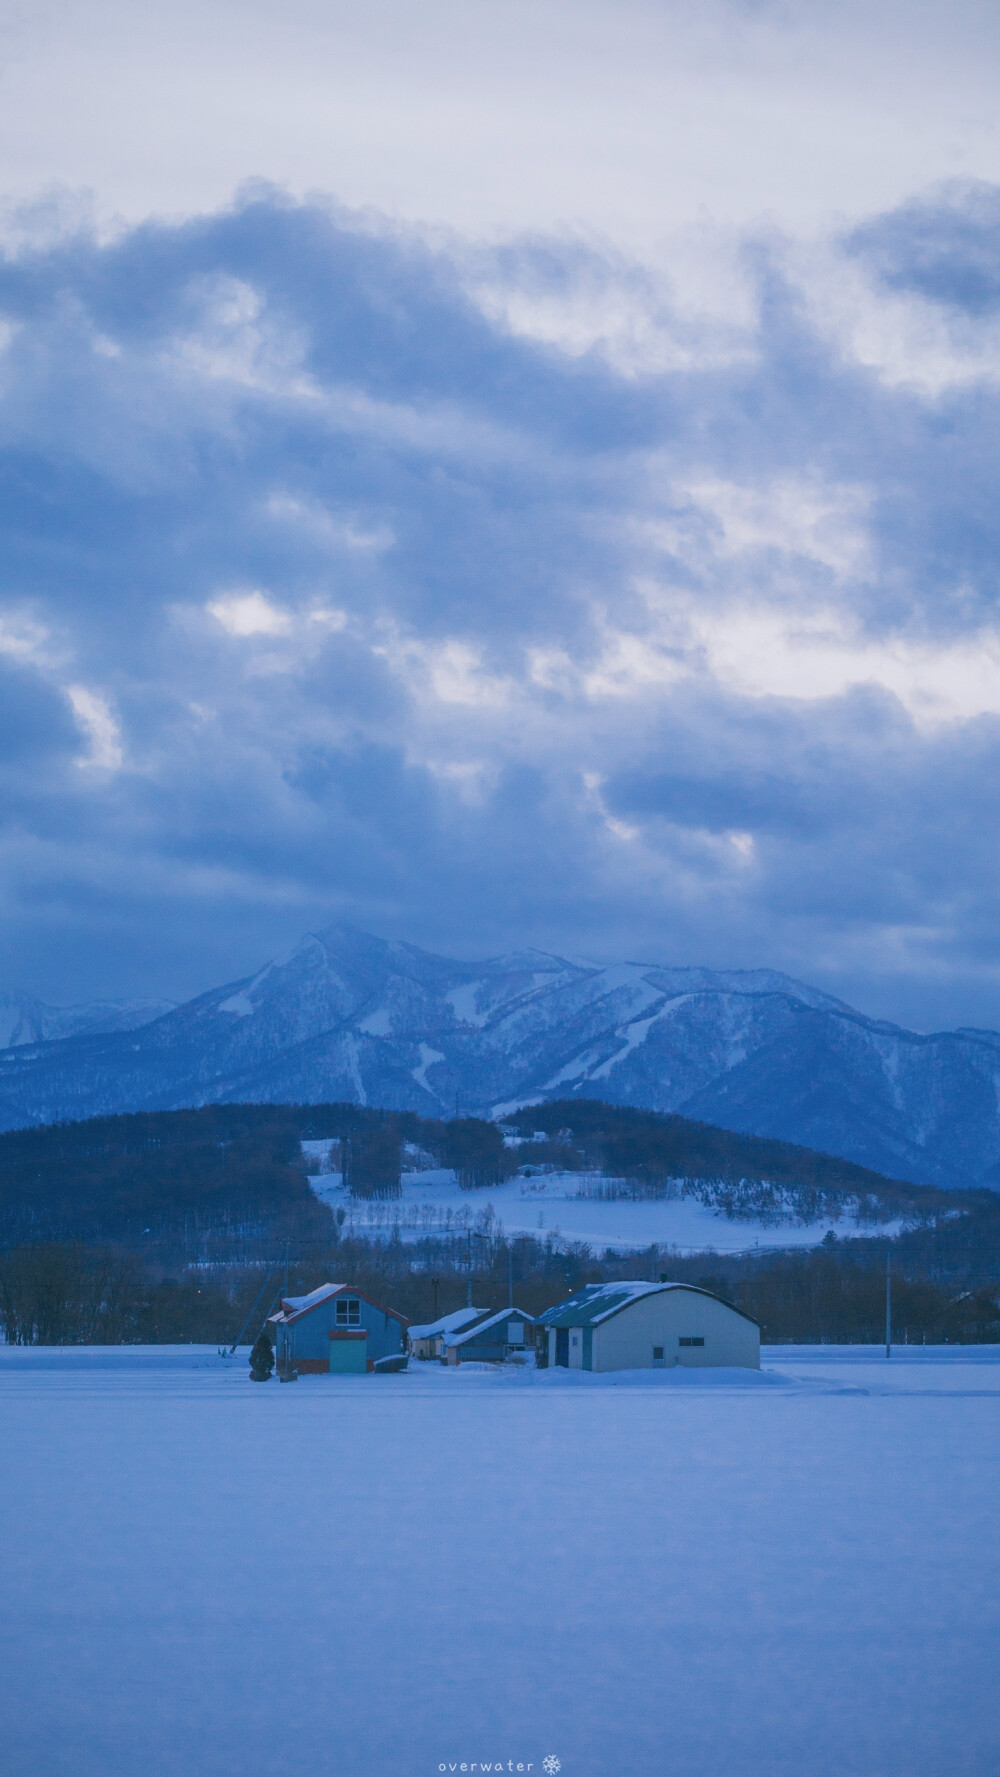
[(501, 475)]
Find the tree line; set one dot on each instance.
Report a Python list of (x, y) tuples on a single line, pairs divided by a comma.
[(71, 1294), (63, 1293)]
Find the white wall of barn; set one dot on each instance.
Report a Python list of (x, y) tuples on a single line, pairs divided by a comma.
[(627, 1341)]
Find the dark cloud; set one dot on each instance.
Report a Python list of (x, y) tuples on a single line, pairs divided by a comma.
[(948, 250), (348, 575)]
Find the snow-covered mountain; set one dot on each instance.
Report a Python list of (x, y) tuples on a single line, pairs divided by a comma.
[(349, 1016), (24, 1020)]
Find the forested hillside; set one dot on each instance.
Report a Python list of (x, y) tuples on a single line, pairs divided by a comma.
[(180, 1225), (226, 1180), (206, 1183)]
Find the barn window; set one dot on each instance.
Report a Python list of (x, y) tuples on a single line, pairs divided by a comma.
[(657, 1354), (348, 1312), (690, 1341)]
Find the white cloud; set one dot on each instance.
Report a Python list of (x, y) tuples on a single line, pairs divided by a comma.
[(756, 649), (907, 341), (796, 515), (457, 676), (630, 663), (593, 785), (249, 614), (642, 324), (231, 339), (447, 672), (326, 617), (99, 726), (24, 639), (763, 652)]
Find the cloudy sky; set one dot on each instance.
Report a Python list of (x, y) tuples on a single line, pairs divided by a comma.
[(500, 474)]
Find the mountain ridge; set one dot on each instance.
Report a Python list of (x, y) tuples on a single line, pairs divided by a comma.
[(346, 1015), (26, 1021)]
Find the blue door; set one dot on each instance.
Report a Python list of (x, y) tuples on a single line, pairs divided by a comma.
[(562, 1346)]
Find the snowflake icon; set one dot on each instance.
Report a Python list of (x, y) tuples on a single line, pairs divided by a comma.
[(551, 1765)]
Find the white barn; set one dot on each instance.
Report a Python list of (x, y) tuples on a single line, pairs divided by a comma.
[(643, 1326)]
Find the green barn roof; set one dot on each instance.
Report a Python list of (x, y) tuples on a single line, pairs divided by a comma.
[(599, 1301)]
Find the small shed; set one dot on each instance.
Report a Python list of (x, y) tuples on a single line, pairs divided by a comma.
[(336, 1330), (649, 1326), (497, 1337), (428, 1341)]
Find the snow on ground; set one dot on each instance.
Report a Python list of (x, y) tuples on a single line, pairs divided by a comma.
[(433, 1202), (789, 1573)]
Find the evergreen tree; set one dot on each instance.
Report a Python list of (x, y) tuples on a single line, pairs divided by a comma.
[(261, 1358)]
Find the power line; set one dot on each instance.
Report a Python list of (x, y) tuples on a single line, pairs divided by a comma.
[(253, 1310)]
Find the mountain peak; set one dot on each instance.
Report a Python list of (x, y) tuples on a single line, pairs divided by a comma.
[(346, 1015)]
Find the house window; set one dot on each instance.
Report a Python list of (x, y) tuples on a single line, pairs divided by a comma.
[(690, 1341), (657, 1354), (348, 1312), (515, 1332)]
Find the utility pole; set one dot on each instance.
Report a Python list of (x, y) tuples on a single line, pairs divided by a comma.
[(469, 1233), (888, 1304), (286, 1267), (510, 1275), (434, 1287)]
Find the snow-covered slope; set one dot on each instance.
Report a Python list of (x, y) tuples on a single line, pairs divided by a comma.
[(24, 1020), (348, 1016), (567, 1206)]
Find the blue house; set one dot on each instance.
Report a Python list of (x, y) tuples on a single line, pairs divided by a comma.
[(493, 1338), (336, 1330)]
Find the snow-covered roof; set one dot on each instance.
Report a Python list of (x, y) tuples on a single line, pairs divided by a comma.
[(293, 1307), (599, 1301), (299, 1304), (448, 1323), (488, 1320)]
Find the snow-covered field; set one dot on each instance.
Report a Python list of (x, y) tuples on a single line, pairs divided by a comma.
[(433, 1202), (790, 1574)]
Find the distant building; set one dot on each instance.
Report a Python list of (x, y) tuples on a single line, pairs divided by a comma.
[(336, 1330), (494, 1338), (648, 1326), (428, 1341)]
